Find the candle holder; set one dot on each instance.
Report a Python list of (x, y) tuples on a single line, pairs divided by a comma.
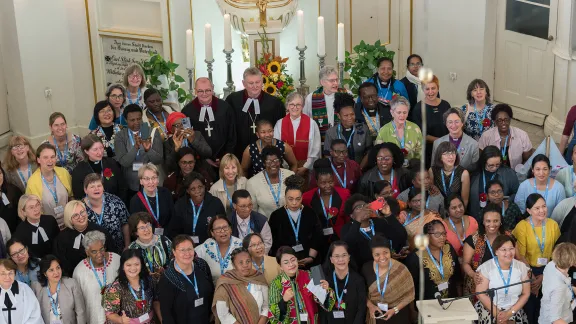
[(209, 64), (341, 73), (322, 61), (229, 82), (191, 82), (304, 89)]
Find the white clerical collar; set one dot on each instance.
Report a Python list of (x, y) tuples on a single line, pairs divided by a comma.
[(206, 109), (329, 95), (249, 101)]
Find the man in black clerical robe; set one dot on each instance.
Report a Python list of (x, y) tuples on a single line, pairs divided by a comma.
[(250, 105), (213, 118)]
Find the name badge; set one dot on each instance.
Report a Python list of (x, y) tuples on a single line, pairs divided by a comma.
[(542, 261), (195, 239), (443, 286), (199, 302), (328, 231), (136, 166), (144, 318), (56, 322), (5, 200), (159, 231), (59, 210), (338, 314), (573, 304), (298, 248), (303, 317), (574, 275), (482, 204), (383, 307), (505, 300)]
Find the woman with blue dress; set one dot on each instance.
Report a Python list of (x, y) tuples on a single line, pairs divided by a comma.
[(478, 110), (539, 181)]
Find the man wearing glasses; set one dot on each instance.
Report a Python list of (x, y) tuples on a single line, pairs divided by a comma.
[(245, 220)]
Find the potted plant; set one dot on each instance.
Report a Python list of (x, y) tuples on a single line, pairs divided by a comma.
[(362, 64), (161, 75)]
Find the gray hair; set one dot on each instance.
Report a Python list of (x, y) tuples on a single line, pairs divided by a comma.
[(398, 101), (292, 96), (251, 71), (451, 111), (326, 71), (115, 86), (93, 237)]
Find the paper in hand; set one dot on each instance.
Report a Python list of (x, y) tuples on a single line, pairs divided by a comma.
[(317, 291)]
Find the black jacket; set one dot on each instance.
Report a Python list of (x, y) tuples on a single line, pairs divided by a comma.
[(115, 184), (182, 221)]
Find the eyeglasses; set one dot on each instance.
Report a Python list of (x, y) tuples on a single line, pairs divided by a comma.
[(18, 147), (116, 97), (221, 229), (149, 179), (79, 215), (415, 64), (187, 163), (36, 206), (107, 111), (331, 80), (438, 234), (340, 152), (496, 192), (144, 227), (359, 207), (256, 245), (294, 105), (449, 153), (341, 257), (185, 251), (383, 158), (135, 76), (493, 166), (503, 120), (20, 252), (203, 92), (274, 161), (453, 122), (7, 274), (100, 251)]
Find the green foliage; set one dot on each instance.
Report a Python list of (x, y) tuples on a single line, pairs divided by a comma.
[(156, 66), (362, 64)]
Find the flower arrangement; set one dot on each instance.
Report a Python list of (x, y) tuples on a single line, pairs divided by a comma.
[(276, 81)]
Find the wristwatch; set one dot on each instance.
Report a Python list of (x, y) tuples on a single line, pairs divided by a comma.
[(396, 310)]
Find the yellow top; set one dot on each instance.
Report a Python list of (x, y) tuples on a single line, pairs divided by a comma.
[(527, 244)]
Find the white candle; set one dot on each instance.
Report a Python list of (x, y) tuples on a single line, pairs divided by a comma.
[(209, 55), (189, 50), (301, 42), (227, 34), (341, 55), (321, 37)]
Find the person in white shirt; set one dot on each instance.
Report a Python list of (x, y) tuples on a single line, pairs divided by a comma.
[(558, 298), (245, 220), (500, 271), (300, 132)]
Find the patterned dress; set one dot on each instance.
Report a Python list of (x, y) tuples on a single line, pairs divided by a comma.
[(256, 155), (210, 252), (69, 158), (442, 181), (114, 216), (412, 138), (157, 254), (473, 122), (118, 298)]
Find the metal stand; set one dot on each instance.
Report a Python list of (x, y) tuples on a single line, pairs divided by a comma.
[(229, 82), (322, 61), (304, 89), (191, 82), (209, 63), (341, 73)]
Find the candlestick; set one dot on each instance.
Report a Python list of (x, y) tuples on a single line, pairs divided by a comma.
[(321, 38), (227, 33), (341, 45), (191, 81), (209, 64), (229, 82), (189, 50), (322, 60), (304, 89), (209, 55), (301, 41)]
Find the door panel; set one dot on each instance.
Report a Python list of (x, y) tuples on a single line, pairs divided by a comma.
[(4, 123)]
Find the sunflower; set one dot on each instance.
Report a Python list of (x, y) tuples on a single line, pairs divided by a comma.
[(265, 80), (274, 67), (270, 89)]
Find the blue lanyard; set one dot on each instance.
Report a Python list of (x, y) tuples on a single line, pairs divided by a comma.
[(456, 231), (134, 293), (408, 220), (339, 296), (450, 184), (546, 192), (341, 135), (503, 209), (131, 137), (101, 216), (482, 118), (375, 126), (484, 179), (571, 179), (54, 301), (503, 151), (440, 266), (506, 282), (382, 290), (24, 181), (222, 259), (296, 228), (258, 267), (137, 98), (24, 278), (195, 284), (371, 230), (403, 140), (150, 259), (391, 177), (571, 290), (324, 207), (157, 214), (228, 194), (275, 195), (61, 155), (102, 285), (196, 215), (541, 244), (296, 294), (159, 124), (380, 87), (342, 183), (53, 192), (489, 245)]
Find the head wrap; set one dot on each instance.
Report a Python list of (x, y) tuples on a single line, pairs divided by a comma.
[(171, 119)]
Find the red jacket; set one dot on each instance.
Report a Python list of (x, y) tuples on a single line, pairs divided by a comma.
[(341, 218)]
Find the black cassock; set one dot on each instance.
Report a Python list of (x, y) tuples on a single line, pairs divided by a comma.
[(271, 109)]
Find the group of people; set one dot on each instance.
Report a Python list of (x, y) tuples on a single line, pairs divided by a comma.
[(218, 211)]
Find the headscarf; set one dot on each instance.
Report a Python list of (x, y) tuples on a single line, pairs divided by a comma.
[(171, 119)]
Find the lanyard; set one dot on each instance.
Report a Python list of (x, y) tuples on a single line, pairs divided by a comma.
[(450, 184), (376, 126), (403, 140), (371, 230), (484, 179), (258, 267), (503, 151), (340, 134), (546, 192), (131, 137), (101, 216), (53, 192), (382, 291), (195, 284), (380, 87), (222, 260), (61, 155), (571, 290), (489, 245), (228, 194), (150, 259), (456, 231), (54, 301), (339, 296), (134, 293), (24, 180), (506, 282), (324, 207), (481, 119), (196, 215), (102, 285), (571, 177), (409, 220), (391, 177), (342, 183), (275, 195), (541, 244), (503, 209), (137, 98), (440, 266), (296, 228), (159, 124), (296, 294), (157, 214)]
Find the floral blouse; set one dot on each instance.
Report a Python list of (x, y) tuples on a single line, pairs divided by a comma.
[(412, 139), (473, 125), (156, 255), (115, 215), (117, 298), (68, 159), (210, 253), (108, 143)]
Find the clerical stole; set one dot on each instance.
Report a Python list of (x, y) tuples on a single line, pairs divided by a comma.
[(319, 111), (300, 145)]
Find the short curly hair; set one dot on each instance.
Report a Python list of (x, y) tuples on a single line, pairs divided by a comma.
[(397, 155), (501, 108), (349, 204)]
